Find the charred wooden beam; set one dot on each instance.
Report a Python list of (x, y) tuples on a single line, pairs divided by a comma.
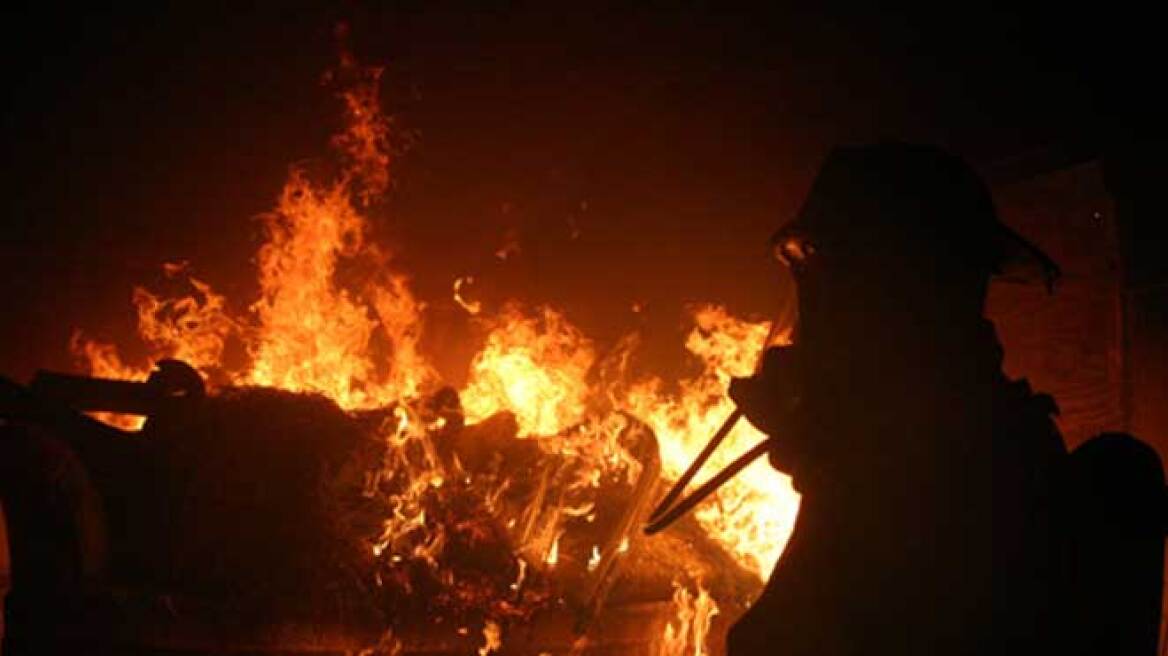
[(171, 381)]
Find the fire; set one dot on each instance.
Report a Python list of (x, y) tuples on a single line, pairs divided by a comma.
[(753, 514), (472, 307), (315, 331), (310, 330), (104, 361), (594, 558), (335, 317), (492, 638), (687, 634), (553, 557), (534, 367), (194, 328)]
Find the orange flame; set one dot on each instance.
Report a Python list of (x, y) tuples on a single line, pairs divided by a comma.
[(687, 634), (194, 328), (754, 513), (492, 638), (533, 366), (333, 317)]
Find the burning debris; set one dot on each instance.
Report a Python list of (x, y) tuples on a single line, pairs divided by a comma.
[(283, 508), (330, 476)]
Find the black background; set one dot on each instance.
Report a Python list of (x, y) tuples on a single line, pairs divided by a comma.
[(671, 139)]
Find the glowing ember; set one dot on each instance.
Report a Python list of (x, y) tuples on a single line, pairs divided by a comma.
[(492, 638), (472, 307), (553, 557)]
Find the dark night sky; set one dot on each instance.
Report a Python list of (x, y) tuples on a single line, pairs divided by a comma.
[(675, 140)]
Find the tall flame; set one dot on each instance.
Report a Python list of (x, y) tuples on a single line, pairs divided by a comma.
[(316, 332), (311, 329), (334, 317)]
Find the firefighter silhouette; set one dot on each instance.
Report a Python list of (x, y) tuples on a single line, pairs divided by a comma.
[(936, 512)]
